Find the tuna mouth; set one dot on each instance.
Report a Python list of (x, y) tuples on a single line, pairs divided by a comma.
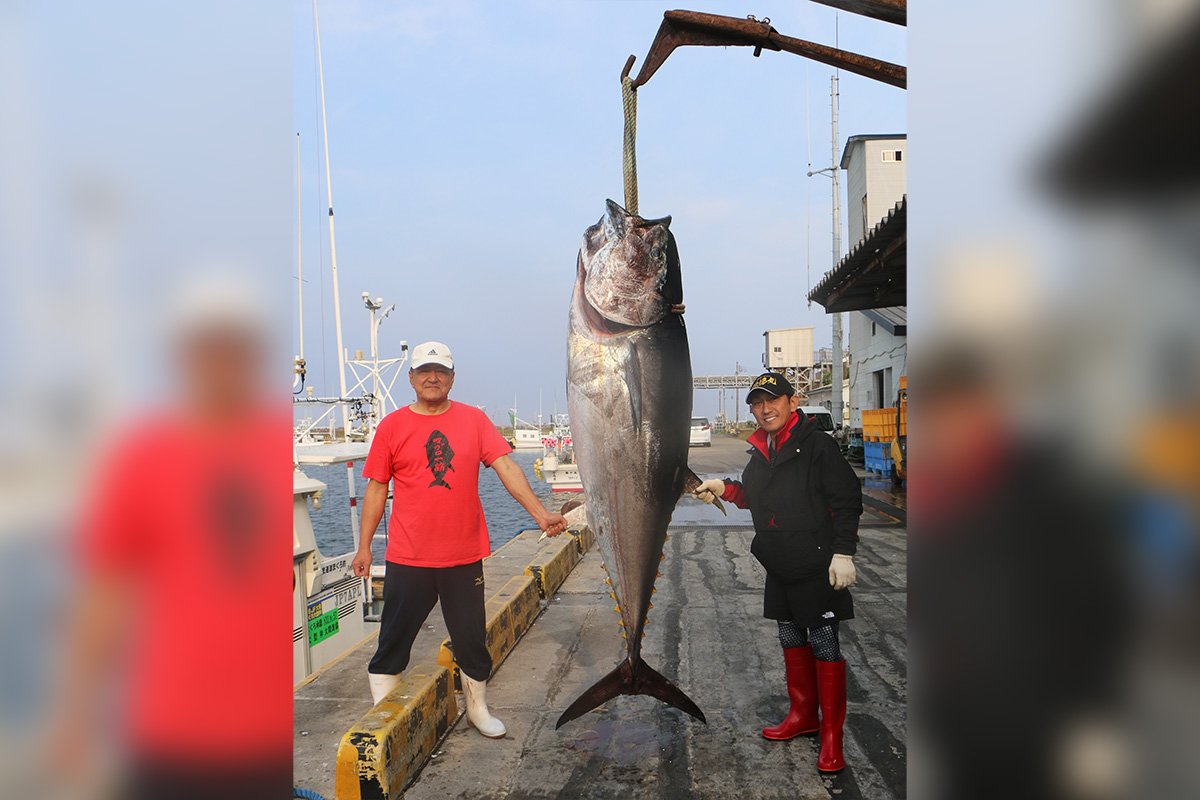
[(624, 311), (600, 323)]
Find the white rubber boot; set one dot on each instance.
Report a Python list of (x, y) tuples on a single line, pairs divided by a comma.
[(381, 685), (477, 710)]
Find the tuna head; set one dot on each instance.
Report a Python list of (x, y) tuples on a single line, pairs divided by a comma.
[(630, 268)]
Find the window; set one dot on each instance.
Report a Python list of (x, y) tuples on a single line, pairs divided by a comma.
[(778, 349), (893, 155), (873, 326)]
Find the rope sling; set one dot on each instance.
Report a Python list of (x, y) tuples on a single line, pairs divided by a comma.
[(629, 154)]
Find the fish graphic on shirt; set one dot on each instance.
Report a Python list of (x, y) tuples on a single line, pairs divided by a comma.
[(437, 449)]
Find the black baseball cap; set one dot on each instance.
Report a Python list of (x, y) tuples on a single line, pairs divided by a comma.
[(773, 384)]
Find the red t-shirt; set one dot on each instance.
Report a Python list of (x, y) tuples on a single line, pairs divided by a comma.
[(433, 463), (196, 524)]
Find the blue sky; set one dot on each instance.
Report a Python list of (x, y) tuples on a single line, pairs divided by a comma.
[(472, 143)]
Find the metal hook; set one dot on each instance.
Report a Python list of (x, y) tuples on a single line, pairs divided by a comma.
[(628, 66)]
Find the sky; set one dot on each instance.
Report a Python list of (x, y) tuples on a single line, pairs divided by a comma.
[(471, 144)]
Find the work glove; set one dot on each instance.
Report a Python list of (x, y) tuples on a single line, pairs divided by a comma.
[(710, 490), (841, 571)]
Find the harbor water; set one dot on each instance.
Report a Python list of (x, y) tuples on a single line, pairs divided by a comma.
[(505, 517)]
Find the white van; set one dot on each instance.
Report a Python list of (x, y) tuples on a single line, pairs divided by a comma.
[(820, 416)]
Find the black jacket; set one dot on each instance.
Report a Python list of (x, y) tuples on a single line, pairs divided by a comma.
[(805, 504)]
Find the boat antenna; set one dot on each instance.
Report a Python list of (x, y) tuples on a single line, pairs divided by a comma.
[(337, 310)]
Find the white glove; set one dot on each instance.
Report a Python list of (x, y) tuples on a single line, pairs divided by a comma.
[(841, 571), (710, 490)]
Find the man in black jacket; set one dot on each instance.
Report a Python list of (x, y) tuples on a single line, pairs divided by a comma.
[(805, 501)]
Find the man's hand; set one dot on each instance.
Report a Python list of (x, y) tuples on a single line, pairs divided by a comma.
[(552, 524), (710, 490), (841, 571), (361, 563)]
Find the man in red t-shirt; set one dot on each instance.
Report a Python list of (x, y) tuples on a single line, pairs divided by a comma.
[(186, 525), (437, 537)]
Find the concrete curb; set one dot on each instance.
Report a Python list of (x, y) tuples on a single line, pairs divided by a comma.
[(510, 612), (551, 566), (584, 539), (383, 753)]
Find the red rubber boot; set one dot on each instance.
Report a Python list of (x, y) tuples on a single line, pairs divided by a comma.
[(802, 689), (831, 689)]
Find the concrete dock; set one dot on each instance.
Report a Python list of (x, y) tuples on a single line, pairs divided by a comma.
[(706, 633)]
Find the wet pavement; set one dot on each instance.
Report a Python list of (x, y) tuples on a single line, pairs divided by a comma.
[(707, 634)]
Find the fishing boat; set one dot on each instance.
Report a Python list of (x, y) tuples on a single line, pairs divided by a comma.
[(557, 467), (525, 435), (332, 609)]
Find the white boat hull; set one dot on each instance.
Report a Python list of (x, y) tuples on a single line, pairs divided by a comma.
[(527, 439)]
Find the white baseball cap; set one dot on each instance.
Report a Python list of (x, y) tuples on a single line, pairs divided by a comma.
[(431, 353)]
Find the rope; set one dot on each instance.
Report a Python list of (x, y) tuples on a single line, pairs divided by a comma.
[(307, 794), (629, 154)]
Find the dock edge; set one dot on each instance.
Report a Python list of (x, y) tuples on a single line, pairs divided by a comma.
[(382, 754)]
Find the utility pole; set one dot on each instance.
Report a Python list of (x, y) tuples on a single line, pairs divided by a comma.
[(836, 393), (836, 383), (737, 404)]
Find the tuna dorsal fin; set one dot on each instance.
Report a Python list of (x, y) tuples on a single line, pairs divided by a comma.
[(614, 221), (633, 676), (650, 223), (691, 482)]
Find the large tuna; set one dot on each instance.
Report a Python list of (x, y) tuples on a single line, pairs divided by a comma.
[(629, 393)]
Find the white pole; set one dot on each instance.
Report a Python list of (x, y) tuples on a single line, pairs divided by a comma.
[(337, 308), (836, 394), (299, 261), (375, 369)]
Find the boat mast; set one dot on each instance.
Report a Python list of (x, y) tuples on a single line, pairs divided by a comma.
[(299, 261), (337, 308)]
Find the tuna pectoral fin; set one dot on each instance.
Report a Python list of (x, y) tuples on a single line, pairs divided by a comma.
[(691, 482), (633, 676)]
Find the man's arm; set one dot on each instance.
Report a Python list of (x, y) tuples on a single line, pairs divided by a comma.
[(517, 484), (95, 642), (374, 503)]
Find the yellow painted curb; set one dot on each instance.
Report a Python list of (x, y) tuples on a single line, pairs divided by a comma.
[(509, 612), (551, 566), (378, 757), (584, 539)]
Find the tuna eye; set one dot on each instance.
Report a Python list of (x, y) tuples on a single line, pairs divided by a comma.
[(656, 253)]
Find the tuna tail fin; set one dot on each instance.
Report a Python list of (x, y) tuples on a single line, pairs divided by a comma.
[(633, 676)]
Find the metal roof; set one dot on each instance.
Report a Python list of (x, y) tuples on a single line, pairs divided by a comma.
[(875, 273), (867, 137), (894, 320)]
